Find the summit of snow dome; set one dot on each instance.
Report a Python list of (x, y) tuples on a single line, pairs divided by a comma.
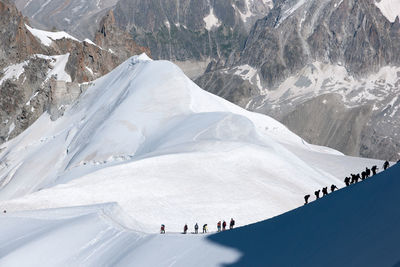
[(140, 58)]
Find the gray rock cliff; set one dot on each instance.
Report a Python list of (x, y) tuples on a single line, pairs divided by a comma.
[(305, 49)]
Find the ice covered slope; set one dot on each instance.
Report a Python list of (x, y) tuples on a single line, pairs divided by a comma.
[(145, 136), (357, 226)]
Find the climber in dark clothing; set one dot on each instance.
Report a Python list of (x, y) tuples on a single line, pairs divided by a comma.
[(224, 226), (347, 181), (306, 197), (363, 176), (231, 224), (317, 194), (196, 228), (325, 191), (162, 230), (204, 228), (353, 178), (185, 228), (373, 169), (386, 165), (333, 187), (367, 172)]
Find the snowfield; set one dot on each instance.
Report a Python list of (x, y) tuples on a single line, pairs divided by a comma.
[(145, 146)]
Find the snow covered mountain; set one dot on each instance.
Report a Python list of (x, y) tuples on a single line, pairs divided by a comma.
[(146, 137), (291, 50), (44, 71)]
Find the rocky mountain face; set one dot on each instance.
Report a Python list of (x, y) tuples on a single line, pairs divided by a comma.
[(111, 37), (181, 30), (326, 65), (43, 71), (79, 18), (14, 36), (190, 32), (353, 33)]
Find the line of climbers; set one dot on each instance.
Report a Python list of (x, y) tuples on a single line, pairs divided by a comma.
[(324, 192), (354, 178), (205, 227), (350, 180)]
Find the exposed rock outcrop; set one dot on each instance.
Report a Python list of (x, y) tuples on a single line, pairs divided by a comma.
[(16, 43), (190, 33), (111, 37)]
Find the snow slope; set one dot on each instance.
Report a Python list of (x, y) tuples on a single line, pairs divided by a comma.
[(356, 226), (97, 236), (389, 8), (145, 136)]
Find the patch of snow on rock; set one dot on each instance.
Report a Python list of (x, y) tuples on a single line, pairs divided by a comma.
[(58, 64), (13, 71), (47, 37), (289, 10), (389, 8), (211, 20)]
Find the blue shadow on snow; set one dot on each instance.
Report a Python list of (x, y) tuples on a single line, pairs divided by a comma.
[(356, 226)]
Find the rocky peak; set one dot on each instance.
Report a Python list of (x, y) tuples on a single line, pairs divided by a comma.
[(295, 33), (111, 37), (333, 65), (14, 36)]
